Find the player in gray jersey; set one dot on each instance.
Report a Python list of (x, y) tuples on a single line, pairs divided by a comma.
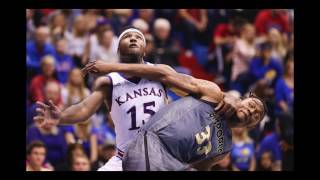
[(188, 133)]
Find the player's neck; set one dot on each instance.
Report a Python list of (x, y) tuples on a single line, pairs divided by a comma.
[(133, 59)]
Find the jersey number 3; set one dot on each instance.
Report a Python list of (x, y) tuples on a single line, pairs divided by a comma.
[(132, 110), (200, 138)]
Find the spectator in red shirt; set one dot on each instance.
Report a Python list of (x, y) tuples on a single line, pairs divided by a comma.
[(268, 18), (38, 82), (225, 32)]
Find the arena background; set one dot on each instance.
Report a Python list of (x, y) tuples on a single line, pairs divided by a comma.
[(241, 50)]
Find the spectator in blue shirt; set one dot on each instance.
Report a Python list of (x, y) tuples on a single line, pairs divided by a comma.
[(64, 62), (54, 139), (38, 48), (242, 153), (86, 134), (284, 97), (284, 93), (265, 67), (265, 163), (270, 143)]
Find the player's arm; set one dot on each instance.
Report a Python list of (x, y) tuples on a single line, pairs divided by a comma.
[(161, 73), (77, 112)]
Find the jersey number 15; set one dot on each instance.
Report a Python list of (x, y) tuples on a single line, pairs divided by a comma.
[(132, 110)]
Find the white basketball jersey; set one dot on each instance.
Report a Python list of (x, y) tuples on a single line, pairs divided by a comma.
[(132, 104)]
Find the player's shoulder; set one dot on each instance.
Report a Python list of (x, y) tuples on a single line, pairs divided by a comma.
[(102, 81)]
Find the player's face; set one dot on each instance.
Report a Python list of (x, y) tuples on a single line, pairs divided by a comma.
[(37, 156), (250, 112), (131, 44)]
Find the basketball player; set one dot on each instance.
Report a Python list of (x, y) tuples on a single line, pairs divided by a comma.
[(187, 133), (130, 100)]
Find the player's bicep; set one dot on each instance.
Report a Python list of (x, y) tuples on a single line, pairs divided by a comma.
[(210, 91), (92, 102), (174, 87)]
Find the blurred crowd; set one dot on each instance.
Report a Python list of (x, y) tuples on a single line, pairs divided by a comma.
[(241, 50)]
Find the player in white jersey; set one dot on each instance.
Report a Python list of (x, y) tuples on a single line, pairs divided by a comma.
[(131, 100)]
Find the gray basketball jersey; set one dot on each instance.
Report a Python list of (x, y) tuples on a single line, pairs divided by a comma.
[(191, 130)]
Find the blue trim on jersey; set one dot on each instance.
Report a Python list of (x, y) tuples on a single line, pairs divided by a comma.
[(134, 80)]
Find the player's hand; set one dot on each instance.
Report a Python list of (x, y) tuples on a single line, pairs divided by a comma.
[(47, 114), (228, 105), (97, 67)]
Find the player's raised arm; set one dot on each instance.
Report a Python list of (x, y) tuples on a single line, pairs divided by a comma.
[(162, 73), (77, 112)]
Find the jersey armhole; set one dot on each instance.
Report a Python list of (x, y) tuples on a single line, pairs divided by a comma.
[(165, 88), (110, 91)]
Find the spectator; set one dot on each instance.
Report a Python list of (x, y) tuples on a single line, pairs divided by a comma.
[(270, 144), (284, 97), (74, 150), (194, 26), (81, 163), (165, 50), (58, 26), (265, 162), (150, 49), (106, 48), (78, 39), (266, 67), (147, 15), (220, 50), (272, 18), (284, 93), (243, 52), (54, 139), (105, 127), (242, 153), (53, 136), (105, 153), (72, 93), (141, 25), (39, 82), (51, 91), (86, 135), (90, 17), (278, 50), (121, 19), (36, 155), (30, 25), (169, 14), (64, 62), (38, 48), (75, 89), (225, 33)]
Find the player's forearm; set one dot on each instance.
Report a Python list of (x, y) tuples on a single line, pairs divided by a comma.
[(81, 111), (160, 73), (73, 114)]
